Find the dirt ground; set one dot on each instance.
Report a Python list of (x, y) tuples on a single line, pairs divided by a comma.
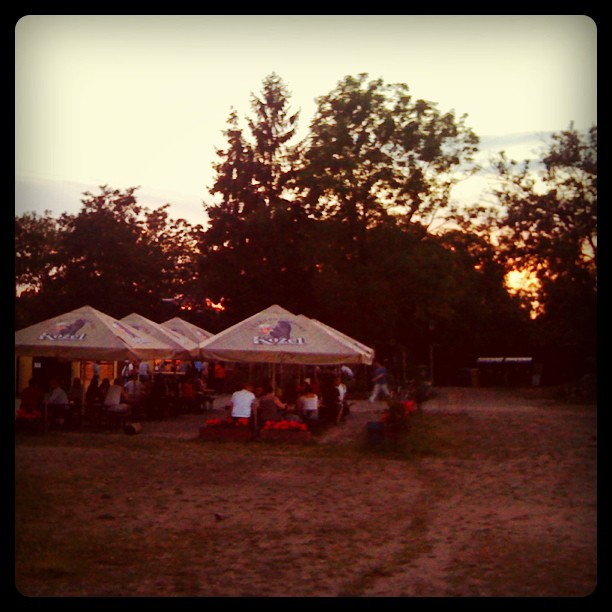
[(500, 501)]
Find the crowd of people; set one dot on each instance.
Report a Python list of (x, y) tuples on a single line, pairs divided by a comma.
[(139, 393), (320, 398), (135, 393)]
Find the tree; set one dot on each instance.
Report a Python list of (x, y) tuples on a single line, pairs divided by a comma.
[(547, 224), (117, 256), (374, 151), (272, 127), (37, 258), (253, 238), (36, 249)]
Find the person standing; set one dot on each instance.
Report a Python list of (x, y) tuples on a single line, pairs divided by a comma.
[(143, 371), (126, 372), (219, 377), (380, 382)]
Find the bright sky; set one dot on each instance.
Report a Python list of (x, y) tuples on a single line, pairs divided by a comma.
[(142, 100)]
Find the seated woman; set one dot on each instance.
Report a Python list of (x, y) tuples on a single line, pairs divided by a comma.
[(116, 403), (270, 407), (308, 405)]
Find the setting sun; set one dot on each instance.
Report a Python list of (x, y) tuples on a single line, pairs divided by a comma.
[(525, 283)]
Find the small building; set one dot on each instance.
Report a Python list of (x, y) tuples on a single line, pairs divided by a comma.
[(507, 371)]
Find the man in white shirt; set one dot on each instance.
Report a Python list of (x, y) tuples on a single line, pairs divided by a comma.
[(56, 394), (244, 402)]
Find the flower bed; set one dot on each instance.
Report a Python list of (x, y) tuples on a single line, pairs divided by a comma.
[(285, 431), (227, 430), (284, 426)]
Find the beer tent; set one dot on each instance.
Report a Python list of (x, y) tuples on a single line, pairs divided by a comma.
[(187, 329), (183, 348), (367, 351), (276, 335), (86, 334)]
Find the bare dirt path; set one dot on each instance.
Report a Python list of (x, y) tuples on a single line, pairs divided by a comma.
[(498, 498)]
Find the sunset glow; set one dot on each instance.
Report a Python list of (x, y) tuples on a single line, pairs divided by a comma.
[(218, 307)]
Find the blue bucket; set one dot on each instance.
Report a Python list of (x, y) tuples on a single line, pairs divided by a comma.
[(376, 432)]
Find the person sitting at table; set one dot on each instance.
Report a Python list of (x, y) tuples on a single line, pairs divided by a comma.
[(188, 396), (243, 403), (75, 393), (134, 389), (205, 396), (102, 389), (92, 400), (291, 391), (32, 398), (308, 405), (157, 399), (58, 405), (270, 407), (75, 399), (329, 407), (116, 403), (198, 384)]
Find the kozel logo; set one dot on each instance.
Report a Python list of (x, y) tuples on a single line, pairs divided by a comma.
[(65, 331), (276, 333)]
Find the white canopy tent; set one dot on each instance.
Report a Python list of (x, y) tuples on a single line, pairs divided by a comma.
[(276, 335), (183, 347), (187, 329), (88, 334)]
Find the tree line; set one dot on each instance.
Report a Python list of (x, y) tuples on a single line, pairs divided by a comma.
[(352, 225)]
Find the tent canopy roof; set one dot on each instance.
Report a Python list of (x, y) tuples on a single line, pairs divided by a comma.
[(88, 334), (276, 335), (183, 347), (187, 329)]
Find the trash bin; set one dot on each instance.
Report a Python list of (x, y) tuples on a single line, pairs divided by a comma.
[(474, 377), (376, 432)]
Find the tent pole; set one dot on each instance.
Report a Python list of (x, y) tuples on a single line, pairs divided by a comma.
[(82, 373)]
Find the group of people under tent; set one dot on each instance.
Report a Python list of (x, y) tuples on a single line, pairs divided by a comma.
[(63, 407), (213, 374), (113, 401), (318, 399), (137, 393)]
